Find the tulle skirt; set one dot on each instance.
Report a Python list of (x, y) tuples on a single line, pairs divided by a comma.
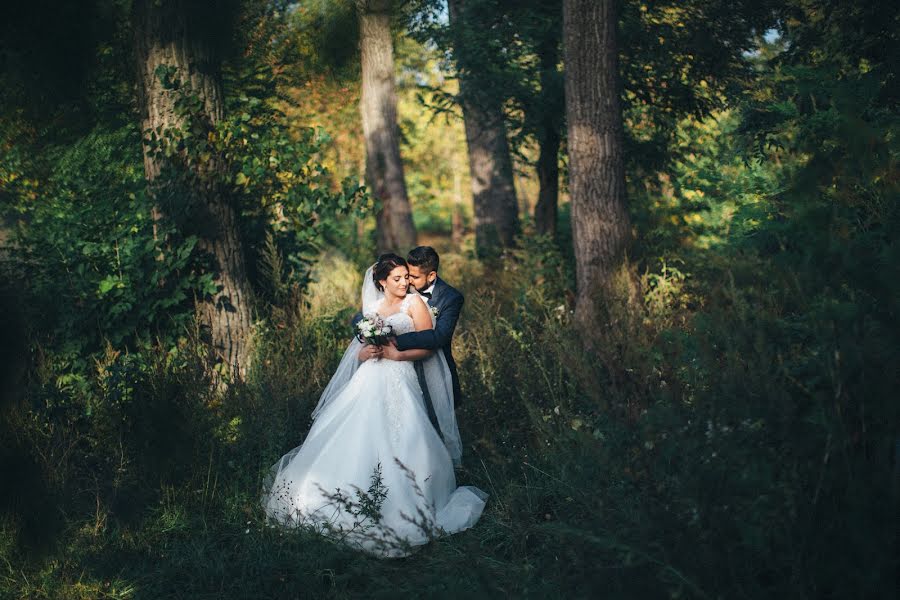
[(373, 472)]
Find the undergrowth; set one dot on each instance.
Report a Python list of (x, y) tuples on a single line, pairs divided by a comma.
[(733, 451)]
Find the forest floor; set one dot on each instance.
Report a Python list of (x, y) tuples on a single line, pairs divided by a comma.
[(611, 475)]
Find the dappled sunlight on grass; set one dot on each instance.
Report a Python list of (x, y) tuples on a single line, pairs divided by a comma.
[(666, 461), (335, 286)]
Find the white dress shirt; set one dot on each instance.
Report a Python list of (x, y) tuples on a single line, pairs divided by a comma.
[(429, 290)]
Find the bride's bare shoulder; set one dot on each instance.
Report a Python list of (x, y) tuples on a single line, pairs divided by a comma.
[(418, 310), (414, 302)]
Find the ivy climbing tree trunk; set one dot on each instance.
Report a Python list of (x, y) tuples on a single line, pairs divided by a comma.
[(176, 59), (493, 192), (378, 108), (601, 228)]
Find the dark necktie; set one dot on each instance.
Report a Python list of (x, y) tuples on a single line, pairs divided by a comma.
[(426, 294)]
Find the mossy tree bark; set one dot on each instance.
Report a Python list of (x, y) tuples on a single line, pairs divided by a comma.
[(177, 38)]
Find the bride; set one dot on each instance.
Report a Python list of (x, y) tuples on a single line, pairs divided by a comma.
[(373, 471)]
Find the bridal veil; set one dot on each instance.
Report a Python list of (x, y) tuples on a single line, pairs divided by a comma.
[(435, 368)]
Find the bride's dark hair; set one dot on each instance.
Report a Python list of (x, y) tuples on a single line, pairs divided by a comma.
[(386, 263)]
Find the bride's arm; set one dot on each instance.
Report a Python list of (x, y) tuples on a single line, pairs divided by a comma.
[(422, 320)]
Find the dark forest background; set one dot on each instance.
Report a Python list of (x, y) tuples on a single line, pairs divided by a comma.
[(675, 224)]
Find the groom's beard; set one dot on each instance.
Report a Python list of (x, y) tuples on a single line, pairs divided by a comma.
[(423, 288)]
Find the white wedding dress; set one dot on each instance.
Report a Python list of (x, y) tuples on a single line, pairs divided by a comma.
[(373, 472)]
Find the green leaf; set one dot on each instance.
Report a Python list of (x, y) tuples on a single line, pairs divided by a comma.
[(108, 283)]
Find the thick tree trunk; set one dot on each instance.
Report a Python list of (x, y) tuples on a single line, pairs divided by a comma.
[(378, 107), (601, 227), (545, 211), (493, 193), (166, 36), (490, 164)]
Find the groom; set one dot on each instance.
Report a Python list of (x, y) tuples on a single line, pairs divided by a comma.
[(444, 300), (447, 302)]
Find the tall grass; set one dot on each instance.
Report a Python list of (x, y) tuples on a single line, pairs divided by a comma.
[(695, 454)]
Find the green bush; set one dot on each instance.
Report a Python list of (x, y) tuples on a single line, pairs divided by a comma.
[(735, 437)]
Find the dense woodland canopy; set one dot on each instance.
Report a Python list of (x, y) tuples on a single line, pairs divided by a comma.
[(675, 223)]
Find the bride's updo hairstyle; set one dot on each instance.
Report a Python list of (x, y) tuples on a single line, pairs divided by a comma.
[(386, 263)]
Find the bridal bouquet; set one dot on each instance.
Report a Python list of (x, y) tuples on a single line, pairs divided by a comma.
[(373, 330)]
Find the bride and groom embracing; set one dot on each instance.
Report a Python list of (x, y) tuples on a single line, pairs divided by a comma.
[(376, 470)]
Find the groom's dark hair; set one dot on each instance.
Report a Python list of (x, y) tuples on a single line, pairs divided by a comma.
[(425, 258)]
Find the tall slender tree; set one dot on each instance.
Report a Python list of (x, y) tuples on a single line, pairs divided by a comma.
[(601, 227), (549, 101), (378, 107), (493, 191), (178, 58)]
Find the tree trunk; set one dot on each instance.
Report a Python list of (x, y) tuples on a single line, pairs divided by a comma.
[(545, 211), (601, 227), (378, 107), (456, 225), (167, 35), (490, 164)]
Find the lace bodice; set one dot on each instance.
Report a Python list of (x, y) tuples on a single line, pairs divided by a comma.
[(401, 322)]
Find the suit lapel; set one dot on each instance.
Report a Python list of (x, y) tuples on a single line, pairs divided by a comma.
[(436, 293)]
